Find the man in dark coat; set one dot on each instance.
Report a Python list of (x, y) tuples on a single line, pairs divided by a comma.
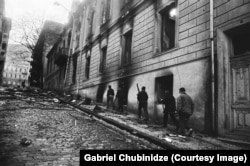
[(143, 103), (110, 97), (185, 107), (169, 109), (120, 98)]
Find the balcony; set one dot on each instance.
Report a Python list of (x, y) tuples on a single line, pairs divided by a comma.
[(61, 57)]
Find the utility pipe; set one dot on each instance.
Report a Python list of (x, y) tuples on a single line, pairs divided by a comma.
[(212, 62)]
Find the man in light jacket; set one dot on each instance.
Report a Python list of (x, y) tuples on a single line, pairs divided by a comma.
[(185, 107)]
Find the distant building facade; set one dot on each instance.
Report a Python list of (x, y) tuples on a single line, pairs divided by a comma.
[(17, 66), (202, 45), (5, 26), (15, 74)]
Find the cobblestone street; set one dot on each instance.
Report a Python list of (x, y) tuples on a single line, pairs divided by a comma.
[(53, 132)]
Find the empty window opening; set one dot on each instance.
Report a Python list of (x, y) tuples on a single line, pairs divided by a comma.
[(162, 84), (74, 69), (103, 59), (127, 50), (87, 68), (168, 27), (4, 46)]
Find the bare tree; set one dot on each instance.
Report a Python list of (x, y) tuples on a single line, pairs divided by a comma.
[(26, 30), (18, 53)]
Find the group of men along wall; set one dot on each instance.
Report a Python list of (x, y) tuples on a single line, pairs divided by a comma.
[(187, 64)]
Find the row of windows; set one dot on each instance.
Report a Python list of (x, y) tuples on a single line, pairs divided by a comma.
[(16, 69), (12, 83), (166, 42), (14, 76)]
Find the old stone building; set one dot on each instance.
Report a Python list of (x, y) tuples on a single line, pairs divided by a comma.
[(17, 66), (49, 35), (15, 74), (5, 26), (202, 45)]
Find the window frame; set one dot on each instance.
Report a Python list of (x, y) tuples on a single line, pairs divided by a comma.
[(87, 64), (103, 59), (126, 60), (74, 69), (158, 27)]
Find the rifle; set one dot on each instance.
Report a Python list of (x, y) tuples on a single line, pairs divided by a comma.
[(138, 88), (138, 92)]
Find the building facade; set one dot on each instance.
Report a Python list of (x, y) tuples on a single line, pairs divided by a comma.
[(16, 74), (49, 35), (201, 45), (17, 66), (5, 26)]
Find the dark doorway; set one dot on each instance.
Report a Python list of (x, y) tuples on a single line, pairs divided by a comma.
[(125, 84), (161, 84), (100, 93)]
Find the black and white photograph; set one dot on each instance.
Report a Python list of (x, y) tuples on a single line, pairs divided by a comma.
[(109, 82)]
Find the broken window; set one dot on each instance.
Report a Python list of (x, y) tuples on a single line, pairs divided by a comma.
[(74, 69), (105, 11), (4, 46), (103, 59), (125, 5), (162, 84), (87, 67), (90, 23), (168, 24), (126, 58), (69, 38)]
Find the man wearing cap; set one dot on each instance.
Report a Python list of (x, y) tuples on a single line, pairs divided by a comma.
[(185, 107)]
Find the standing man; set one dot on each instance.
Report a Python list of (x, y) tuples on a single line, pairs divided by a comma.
[(110, 97), (143, 103), (170, 108), (120, 98), (185, 107)]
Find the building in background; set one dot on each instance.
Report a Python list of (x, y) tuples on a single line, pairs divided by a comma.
[(49, 35), (202, 45), (17, 66), (5, 26), (16, 74)]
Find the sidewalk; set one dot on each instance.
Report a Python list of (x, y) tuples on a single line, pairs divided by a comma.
[(154, 133)]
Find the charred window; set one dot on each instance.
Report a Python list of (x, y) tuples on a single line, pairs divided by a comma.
[(87, 67), (105, 11), (162, 84), (168, 16), (90, 23), (103, 59), (69, 38), (4, 46), (126, 3), (127, 48), (74, 69)]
